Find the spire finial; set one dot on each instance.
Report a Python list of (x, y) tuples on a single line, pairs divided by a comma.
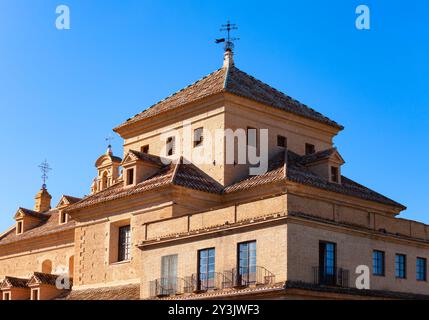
[(229, 41), (109, 139), (45, 168)]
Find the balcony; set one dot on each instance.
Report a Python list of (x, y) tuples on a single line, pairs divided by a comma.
[(248, 276), (164, 287), (336, 277), (199, 283)]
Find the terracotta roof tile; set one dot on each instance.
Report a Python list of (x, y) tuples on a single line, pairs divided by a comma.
[(16, 282), (236, 82), (48, 226), (35, 214), (125, 292), (44, 278), (72, 200)]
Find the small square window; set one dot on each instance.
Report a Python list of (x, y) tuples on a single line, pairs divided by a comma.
[(334, 174), (198, 137), (281, 141), (145, 149), (310, 148), (130, 177), (171, 146)]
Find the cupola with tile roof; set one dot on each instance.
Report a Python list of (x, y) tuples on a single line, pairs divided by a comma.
[(107, 171)]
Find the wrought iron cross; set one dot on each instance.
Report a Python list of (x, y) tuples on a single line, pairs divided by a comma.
[(109, 140), (45, 168), (229, 41)]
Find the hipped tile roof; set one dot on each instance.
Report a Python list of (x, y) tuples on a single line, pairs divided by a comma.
[(46, 227), (16, 282), (34, 214), (125, 292), (234, 81), (189, 176)]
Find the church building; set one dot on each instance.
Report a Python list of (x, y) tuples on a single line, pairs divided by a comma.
[(158, 225)]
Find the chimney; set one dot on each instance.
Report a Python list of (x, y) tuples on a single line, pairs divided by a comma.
[(228, 59), (43, 200)]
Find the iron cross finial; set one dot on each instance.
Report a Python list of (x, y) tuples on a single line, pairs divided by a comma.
[(45, 168), (229, 41)]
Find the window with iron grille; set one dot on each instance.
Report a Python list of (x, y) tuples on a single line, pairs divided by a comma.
[(378, 263), (206, 269), (198, 137), (247, 262), (401, 266), (124, 243), (421, 269)]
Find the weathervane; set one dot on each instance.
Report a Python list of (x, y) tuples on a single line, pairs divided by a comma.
[(45, 168), (229, 42), (109, 140)]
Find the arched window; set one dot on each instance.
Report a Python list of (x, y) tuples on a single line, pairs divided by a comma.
[(104, 181), (47, 266), (71, 266)]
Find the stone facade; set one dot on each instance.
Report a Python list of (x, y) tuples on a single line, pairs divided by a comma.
[(114, 243)]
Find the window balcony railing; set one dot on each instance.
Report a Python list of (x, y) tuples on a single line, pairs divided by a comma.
[(254, 275), (206, 281), (196, 283), (168, 286), (337, 277)]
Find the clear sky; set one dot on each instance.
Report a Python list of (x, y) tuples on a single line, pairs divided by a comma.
[(61, 92)]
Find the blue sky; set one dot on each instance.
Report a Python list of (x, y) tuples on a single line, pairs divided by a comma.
[(61, 92)]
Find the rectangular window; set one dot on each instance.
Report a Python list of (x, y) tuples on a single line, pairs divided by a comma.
[(171, 146), (19, 227), (378, 263), (206, 269), (7, 296), (63, 217), (334, 174), (35, 294), (124, 253), (281, 142), (246, 263), (327, 262), (401, 266), (168, 283), (130, 177), (145, 149), (421, 269), (198, 137), (310, 148)]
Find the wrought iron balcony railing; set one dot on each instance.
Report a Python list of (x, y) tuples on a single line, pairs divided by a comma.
[(168, 286), (206, 281), (254, 275), (337, 277)]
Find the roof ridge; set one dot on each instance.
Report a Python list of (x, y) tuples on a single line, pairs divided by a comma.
[(176, 169), (173, 94)]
